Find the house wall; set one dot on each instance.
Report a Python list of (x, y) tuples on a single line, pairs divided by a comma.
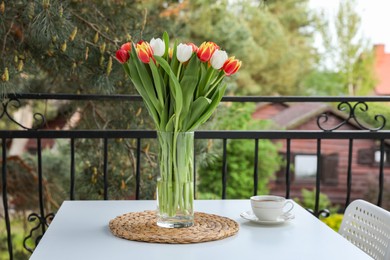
[(362, 175)]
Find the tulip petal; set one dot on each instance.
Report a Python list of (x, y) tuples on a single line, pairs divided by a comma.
[(218, 59), (122, 55), (183, 52), (231, 66), (206, 50), (144, 51), (157, 46)]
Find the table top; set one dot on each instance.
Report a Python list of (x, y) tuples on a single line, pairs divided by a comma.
[(80, 231)]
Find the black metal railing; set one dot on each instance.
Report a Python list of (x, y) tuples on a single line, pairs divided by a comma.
[(346, 104)]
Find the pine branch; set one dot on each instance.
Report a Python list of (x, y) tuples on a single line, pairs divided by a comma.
[(6, 36), (144, 22), (115, 42)]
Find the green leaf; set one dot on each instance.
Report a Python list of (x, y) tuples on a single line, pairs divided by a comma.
[(164, 116), (188, 84), (203, 72), (166, 57), (126, 68), (134, 76), (174, 85), (206, 80), (169, 126), (158, 83), (216, 83), (146, 80), (174, 61), (166, 42), (210, 109), (198, 107)]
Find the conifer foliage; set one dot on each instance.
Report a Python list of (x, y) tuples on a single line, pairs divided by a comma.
[(69, 46)]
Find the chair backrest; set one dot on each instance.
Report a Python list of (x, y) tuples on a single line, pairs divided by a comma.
[(368, 227)]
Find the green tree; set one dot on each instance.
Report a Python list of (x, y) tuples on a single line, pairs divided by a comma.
[(53, 46), (346, 51), (69, 46), (323, 83), (270, 38)]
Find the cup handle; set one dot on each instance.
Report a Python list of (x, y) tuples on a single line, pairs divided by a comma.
[(291, 204)]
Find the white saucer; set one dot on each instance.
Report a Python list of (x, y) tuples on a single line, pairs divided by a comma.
[(248, 215)]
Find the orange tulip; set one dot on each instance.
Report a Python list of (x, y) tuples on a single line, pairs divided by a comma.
[(206, 50), (144, 51), (231, 66)]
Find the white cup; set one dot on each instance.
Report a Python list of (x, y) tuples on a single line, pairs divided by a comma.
[(270, 207)]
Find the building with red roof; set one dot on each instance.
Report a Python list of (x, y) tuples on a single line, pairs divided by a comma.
[(382, 70), (334, 153)]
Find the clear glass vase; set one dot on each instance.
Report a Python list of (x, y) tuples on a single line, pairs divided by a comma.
[(175, 186)]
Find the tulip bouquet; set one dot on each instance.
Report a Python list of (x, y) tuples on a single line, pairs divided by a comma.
[(181, 87)]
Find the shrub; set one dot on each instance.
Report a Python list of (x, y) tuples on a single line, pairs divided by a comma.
[(334, 221), (240, 158), (308, 201)]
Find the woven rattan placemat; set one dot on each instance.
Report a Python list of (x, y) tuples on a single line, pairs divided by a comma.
[(141, 226)]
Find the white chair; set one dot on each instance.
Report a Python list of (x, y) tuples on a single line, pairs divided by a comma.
[(367, 226)]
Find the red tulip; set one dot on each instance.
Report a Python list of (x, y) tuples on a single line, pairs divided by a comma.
[(206, 50), (144, 51), (231, 66), (122, 55)]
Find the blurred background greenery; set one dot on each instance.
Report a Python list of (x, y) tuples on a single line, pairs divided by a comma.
[(68, 46)]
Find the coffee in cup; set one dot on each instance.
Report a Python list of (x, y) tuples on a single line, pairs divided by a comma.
[(270, 207)]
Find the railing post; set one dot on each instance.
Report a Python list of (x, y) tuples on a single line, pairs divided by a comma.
[(5, 198), (224, 168), (72, 170), (138, 170), (256, 168), (349, 173), (105, 167), (318, 179), (288, 159), (381, 175), (40, 186)]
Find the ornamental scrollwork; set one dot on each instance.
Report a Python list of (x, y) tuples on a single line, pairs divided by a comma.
[(39, 119), (42, 222), (351, 111)]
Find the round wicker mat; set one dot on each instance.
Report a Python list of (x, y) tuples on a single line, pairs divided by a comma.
[(141, 226)]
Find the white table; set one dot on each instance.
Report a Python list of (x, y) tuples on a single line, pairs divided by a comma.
[(80, 231)]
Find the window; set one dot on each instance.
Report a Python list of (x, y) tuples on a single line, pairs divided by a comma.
[(377, 157), (372, 157), (305, 166)]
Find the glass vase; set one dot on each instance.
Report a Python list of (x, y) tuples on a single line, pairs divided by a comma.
[(175, 186)]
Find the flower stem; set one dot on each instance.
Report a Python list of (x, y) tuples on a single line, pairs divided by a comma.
[(175, 187)]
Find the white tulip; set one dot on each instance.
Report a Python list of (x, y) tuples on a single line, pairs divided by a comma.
[(157, 46), (183, 52), (218, 59)]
